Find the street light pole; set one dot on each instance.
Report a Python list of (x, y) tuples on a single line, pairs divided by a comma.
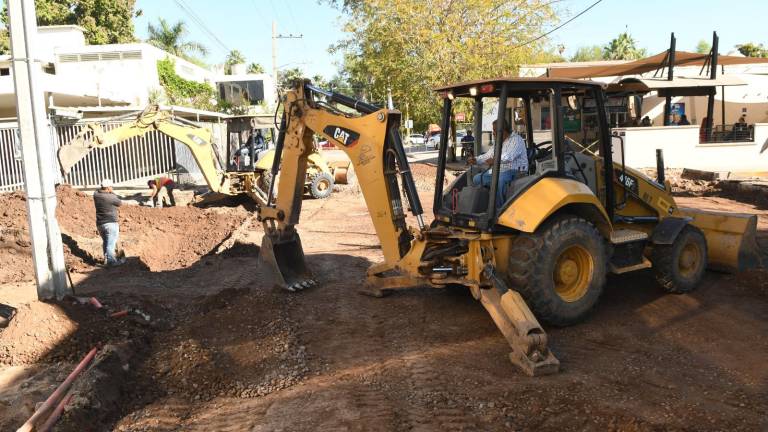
[(37, 154)]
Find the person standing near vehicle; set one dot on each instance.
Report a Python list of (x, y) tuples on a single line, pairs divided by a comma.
[(468, 145), (107, 203), (156, 185)]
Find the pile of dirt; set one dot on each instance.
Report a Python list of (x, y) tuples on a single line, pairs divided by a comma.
[(30, 335), (252, 351), (64, 331), (686, 186), (163, 239)]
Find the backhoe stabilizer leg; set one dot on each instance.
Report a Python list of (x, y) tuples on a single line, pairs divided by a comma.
[(523, 332)]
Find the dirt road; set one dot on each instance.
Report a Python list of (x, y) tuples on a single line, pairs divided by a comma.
[(224, 351)]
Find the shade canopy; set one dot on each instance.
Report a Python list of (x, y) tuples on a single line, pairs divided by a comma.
[(648, 64)]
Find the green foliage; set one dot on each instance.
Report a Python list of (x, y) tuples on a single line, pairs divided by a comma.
[(703, 47), (588, 53), (255, 68), (624, 47), (180, 91), (234, 57), (286, 77), (414, 47), (171, 39), (750, 49), (104, 21)]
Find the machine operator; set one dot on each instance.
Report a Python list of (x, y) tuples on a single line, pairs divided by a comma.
[(514, 159)]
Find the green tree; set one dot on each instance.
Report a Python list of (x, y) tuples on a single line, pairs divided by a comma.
[(588, 53), (286, 77), (104, 21), (750, 49), (703, 47), (624, 47), (255, 68), (412, 47), (234, 57), (171, 38)]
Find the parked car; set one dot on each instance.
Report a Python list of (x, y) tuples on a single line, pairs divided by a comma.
[(416, 139)]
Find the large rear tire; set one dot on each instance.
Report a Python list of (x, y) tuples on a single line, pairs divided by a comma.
[(680, 266), (321, 185), (560, 269)]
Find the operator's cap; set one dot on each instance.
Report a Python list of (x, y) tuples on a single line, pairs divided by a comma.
[(106, 183)]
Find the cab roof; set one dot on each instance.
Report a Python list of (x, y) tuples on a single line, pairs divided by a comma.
[(519, 84)]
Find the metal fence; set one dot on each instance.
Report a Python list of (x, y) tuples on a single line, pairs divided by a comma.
[(133, 159), (11, 170)]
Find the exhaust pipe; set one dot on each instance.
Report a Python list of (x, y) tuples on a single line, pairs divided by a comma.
[(285, 257)]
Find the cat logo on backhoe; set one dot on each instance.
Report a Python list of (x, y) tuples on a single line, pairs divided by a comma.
[(346, 137)]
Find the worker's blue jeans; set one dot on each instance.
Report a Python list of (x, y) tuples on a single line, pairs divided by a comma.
[(484, 179), (110, 233)]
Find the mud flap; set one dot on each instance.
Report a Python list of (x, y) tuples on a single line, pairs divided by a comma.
[(285, 257), (731, 238)]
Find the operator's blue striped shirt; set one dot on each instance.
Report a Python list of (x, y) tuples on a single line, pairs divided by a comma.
[(513, 154)]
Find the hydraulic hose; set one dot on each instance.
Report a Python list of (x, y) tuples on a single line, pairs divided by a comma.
[(405, 173), (278, 155)]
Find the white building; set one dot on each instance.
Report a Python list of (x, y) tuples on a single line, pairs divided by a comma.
[(78, 74)]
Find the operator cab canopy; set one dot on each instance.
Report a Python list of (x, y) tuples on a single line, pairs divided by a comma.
[(517, 86), (557, 121)]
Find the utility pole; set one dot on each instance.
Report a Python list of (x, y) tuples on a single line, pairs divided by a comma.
[(37, 154), (275, 37)]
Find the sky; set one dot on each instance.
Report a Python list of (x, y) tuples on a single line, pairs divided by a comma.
[(246, 25)]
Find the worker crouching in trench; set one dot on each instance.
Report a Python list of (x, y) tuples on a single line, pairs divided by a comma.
[(160, 189)]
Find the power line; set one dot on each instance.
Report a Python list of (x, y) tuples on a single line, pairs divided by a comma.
[(295, 23), (558, 27), (188, 10)]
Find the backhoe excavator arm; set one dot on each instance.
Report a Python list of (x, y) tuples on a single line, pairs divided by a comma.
[(372, 142), (373, 145), (197, 139)]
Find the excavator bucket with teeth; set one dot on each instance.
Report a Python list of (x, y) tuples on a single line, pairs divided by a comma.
[(285, 257)]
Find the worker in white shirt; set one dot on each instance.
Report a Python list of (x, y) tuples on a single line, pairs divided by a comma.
[(514, 159)]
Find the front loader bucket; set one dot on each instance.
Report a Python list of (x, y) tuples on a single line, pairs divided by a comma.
[(340, 176), (285, 257), (731, 238)]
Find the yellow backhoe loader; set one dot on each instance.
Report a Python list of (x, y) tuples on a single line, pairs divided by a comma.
[(543, 250), (241, 174)]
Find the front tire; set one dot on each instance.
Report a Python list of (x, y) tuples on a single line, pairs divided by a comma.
[(560, 269), (679, 267), (321, 185)]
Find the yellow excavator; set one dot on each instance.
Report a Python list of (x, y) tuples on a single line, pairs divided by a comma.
[(246, 171), (541, 250)]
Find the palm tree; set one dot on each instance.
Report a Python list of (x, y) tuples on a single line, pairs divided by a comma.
[(623, 47), (255, 68), (234, 57), (170, 38)]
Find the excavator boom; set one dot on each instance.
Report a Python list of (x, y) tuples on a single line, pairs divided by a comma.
[(197, 139)]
